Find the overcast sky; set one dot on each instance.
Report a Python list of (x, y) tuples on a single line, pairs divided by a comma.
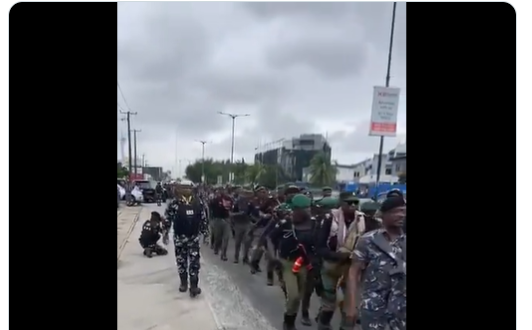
[(294, 67)]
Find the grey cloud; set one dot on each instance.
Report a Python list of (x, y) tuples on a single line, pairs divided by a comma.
[(241, 87), (292, 66), (330, 57), (270, 10)]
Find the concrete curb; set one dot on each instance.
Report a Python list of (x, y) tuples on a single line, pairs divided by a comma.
[(128, 233)]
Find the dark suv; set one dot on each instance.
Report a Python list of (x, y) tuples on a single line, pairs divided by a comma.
[(148, 190)]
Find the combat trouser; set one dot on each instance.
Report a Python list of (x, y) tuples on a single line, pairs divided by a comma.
[(330, 276), (222, 234), (308, 290), (212, 230), (379, 320), (295, 284), (187, 257), (242, 240), (153, 247)]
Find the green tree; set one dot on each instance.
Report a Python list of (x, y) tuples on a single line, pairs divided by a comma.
[(121, 171), (254, 173), (322, 172)]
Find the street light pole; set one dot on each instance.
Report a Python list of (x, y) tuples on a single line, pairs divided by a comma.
[(233, 117), (203, 179), (135, 131), (128, 120), (381, 144)]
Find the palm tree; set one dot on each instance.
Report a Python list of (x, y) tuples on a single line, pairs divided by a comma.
[(255, 172), (322, 172)]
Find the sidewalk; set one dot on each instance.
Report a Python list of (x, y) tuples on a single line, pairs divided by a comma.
[(126, 217), (148, 296)]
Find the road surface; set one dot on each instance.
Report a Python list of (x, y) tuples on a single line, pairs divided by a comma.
[(269, 300), (232, 298)]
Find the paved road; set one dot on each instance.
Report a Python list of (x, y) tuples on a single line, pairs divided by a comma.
[(232, 298), (269, 300)]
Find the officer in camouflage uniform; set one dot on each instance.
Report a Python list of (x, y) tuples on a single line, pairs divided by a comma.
[(295, 238), (189, 222), (378, 271), (339, 231)]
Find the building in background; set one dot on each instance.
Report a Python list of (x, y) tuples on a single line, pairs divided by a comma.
[(293, 155), (397, 158), (155, 172)]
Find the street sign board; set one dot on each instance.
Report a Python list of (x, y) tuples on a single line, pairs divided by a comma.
[(384, 111)]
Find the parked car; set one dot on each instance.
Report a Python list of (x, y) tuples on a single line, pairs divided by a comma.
[(148, 189), (136, 197), (121, 191)]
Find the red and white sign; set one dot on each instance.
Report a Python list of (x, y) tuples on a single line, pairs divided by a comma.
[(135, 177), (384, 111)]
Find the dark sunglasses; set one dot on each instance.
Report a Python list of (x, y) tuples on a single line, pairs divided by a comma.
[(352, 203)]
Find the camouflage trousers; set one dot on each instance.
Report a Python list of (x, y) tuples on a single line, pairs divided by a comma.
[(370, 320), (187, 255)]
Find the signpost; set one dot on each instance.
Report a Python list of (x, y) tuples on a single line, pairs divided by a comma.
[(384, 111)]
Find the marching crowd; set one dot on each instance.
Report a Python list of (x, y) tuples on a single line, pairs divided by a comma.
[(354, 260)]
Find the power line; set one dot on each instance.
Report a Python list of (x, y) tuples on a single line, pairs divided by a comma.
[(122, 93)]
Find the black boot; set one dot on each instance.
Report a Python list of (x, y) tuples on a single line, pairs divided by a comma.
[(305, 319), (289, 322), (269, 278), (254, 267), (245, 260), (148, 252), (324, 322), (184, 283), (194, 289)]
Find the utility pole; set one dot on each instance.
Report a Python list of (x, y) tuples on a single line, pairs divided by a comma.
[(203, 178), (381, 145), (128, 119), (233, 117), (135, 131)]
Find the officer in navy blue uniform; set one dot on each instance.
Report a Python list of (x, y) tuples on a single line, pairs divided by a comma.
[(187, 217), (152, 230)]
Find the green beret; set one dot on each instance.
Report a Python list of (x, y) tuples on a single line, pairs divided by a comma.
[(348, 197), (300, 201), (328, 202)]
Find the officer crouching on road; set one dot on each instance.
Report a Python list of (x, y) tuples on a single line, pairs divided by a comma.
[(296, 252), (189, 223), (152, 230)]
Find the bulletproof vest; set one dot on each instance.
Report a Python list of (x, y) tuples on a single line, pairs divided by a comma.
[(188, 212)]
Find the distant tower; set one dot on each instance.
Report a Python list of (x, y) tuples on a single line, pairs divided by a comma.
[(123, 148)]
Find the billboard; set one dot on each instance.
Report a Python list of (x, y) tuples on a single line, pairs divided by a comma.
[(384, 111)]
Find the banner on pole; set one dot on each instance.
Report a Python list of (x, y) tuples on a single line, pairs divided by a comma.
[(384, 111)]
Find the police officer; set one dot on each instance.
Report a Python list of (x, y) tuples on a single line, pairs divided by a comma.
[(152, 230), (295, 237), (189, 223), (378, 272), (159, 192), (241, 223), (337, 237)]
